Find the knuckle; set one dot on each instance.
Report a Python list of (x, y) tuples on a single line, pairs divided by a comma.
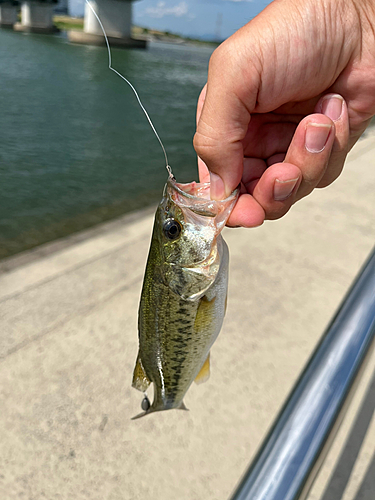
[(276, 212), (199, 142), (312, 175), (303, 191), (218, 56), (326, 181), (340, 146), (203, 145), (333, 171), (224, 56), (311, 179)]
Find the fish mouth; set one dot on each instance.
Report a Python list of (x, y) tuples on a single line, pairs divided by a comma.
[(196, 197)]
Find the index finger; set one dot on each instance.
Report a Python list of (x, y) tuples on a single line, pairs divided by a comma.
[(222, 125)]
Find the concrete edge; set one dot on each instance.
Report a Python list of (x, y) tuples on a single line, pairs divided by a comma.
[(76, 36), (32, 29), (28, 256)]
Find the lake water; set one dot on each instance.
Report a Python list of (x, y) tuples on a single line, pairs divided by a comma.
[(76, 149)]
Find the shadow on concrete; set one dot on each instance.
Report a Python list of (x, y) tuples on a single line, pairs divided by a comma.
[(340, 477), (367, 488)]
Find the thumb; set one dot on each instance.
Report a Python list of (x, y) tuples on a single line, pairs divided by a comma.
[(224, 119)]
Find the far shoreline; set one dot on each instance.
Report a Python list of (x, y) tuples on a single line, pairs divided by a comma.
[(66, 23)]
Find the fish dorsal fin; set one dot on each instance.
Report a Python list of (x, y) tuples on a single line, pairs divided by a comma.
[(204, 373), (140, 379)]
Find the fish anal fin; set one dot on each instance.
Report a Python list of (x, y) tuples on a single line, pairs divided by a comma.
[(204, 373), (140, 379)]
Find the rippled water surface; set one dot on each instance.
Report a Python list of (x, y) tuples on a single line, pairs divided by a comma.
[(76, 148)]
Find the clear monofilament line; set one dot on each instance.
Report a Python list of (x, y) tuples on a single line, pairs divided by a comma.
[(133, 89)]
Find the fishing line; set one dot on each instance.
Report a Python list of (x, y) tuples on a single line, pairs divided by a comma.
[(133, 89)]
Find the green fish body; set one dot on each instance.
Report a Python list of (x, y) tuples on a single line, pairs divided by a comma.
[(184, 292)]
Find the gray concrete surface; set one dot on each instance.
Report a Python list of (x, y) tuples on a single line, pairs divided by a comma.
[(68, 342)]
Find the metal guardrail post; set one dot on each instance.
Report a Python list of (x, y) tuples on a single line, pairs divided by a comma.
[(290, 457)]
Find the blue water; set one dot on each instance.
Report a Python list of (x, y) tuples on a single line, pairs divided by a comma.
[(76, 148)]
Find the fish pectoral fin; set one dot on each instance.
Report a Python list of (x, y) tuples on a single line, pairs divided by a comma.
[(140, 379), (203, 320), (204, 373), (205, 314)]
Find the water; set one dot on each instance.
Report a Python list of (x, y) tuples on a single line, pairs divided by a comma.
[(76, 149)]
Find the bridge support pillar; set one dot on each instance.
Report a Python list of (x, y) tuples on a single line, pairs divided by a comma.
[(36, 17), (116, 16), (8, 15)]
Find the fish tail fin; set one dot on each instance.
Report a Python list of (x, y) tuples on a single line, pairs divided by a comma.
[(146, 412), (140, 415), (152, 410)]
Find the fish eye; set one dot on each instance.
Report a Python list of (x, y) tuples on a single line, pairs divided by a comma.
[(172, 229)]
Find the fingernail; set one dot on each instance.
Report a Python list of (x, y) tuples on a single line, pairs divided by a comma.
[(316, 136), (217, 190), (283, 189), (332, 107)]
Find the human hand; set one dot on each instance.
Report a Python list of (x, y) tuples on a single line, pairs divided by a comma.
[(286, 98)]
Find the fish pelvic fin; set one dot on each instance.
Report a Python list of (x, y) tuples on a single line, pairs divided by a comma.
[(140, 378), (204, 373)]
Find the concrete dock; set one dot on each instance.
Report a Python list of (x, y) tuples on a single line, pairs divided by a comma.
[(68, 342)]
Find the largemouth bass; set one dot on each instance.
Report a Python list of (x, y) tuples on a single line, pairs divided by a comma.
[(184, 292)]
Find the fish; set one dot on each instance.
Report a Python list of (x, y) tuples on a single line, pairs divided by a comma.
[(184, 293)]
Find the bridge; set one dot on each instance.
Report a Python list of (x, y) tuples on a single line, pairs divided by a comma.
[(37, 17)]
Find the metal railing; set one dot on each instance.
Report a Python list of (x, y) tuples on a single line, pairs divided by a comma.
[(290, 457)]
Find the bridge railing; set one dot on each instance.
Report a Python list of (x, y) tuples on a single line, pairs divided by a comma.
[(294, 449)]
